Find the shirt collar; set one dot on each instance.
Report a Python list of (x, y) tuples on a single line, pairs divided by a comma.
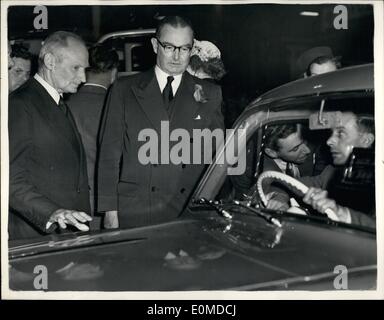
[(51, 90), (95, 85), (161, 77), (283, 166)]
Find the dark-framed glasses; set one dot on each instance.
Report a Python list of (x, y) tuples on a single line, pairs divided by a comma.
[(169, 48)]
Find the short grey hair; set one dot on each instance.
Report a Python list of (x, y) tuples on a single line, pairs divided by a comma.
[(56, 41)]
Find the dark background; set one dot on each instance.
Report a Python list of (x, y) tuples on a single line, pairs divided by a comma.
[(260, 43)]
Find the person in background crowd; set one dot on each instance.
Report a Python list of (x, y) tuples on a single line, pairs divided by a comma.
[(132, 193), (318, 60), (322, 65), (87, 105), (205, 62), (21, 69), (48, 184), (10, 60)]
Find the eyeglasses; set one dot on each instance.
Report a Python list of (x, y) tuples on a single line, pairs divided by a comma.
[(169, 48)]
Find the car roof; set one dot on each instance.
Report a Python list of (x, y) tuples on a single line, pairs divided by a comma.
[(127, 33), (356, 78)]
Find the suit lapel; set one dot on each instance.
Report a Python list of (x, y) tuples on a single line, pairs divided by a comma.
[(60, 124), (149, 97), (185, 107)]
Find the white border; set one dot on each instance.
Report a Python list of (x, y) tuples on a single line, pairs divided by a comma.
[(200, 295)]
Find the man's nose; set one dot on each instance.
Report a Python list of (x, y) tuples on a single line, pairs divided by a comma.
[(176, 54), (330, 141), (306, 149), (82, 76)]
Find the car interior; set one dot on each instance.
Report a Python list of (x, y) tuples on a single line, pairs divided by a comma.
[(358, 177)]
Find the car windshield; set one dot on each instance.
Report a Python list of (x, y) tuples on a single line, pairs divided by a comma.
[(325, 144)]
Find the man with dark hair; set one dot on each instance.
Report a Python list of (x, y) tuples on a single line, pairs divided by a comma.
[(284, 150), (323, 64), (88, 103), (21, 69), (48, 184), (175, 22), (317, 60), (136, 194)]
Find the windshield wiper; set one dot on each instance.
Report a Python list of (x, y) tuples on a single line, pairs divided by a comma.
[(219, 208), (269, 218), (215, 205)]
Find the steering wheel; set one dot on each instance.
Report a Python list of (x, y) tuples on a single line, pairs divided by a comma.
[(297, 187)]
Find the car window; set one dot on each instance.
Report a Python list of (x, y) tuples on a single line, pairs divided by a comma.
[(135, 53), (359, 186)]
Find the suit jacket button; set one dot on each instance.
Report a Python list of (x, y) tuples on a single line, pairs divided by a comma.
[(153, 189), (183, 165), (78, 190), (182, 190)]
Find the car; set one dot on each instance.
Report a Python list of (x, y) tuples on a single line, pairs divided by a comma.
[(222, 242), (134, 49)]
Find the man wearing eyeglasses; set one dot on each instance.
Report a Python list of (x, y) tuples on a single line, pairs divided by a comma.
[(132, 193)]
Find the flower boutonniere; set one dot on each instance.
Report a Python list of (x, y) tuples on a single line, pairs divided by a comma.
[(199, 94)]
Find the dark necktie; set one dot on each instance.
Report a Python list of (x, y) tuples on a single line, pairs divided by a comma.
[(289, 170), (63, 106), (167, 92)]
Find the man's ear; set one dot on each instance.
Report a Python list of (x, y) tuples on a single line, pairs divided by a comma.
[(271, 153), (155, 44), (367, 140), (49, 61)]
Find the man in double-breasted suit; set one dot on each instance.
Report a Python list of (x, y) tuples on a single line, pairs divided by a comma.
[(134, 193), (48, 179)]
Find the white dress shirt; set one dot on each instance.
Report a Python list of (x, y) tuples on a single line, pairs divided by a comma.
[(283, 167), (161, 77), (51, 90)]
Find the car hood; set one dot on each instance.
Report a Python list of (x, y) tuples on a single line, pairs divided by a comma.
[(209, 253)]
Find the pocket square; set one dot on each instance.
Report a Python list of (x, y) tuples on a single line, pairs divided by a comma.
[(198, 117)]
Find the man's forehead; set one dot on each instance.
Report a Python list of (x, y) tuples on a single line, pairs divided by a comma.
[(168, 31), (76, 52), (347, 119), (290, 141)]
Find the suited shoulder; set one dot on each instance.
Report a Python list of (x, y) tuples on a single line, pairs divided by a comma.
[(24, 90), (22, 95), (206, 84), (135, 78)]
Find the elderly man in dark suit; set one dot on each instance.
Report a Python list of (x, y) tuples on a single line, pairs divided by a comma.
[(136, 194), (87, 105), (48, 179)]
